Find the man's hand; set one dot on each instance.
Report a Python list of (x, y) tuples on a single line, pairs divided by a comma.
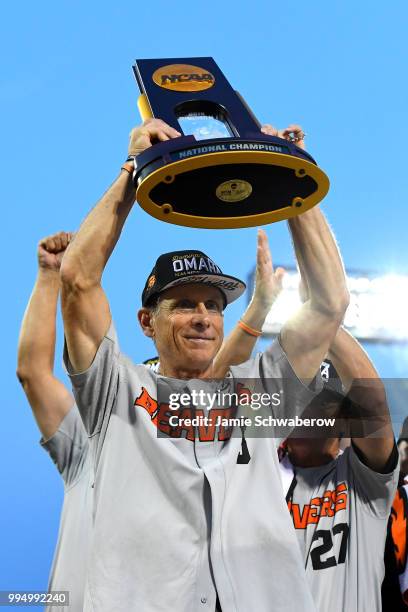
[(149, 133), (238, 347), (51, 249), (268, 282), (293, 133)]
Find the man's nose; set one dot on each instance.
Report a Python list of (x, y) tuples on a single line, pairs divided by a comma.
[(201, 315)]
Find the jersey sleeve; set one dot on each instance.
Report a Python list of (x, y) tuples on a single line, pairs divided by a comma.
[(69, 447), (271, 373), (95, 389), (279, 377), (375, 490)]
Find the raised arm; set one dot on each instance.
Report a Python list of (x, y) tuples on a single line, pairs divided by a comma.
[(239, 344), (368, 400), (364, 387), (85, 307), (307, 336), (47, 396)]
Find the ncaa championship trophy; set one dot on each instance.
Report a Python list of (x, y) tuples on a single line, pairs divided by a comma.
[(223, 172)]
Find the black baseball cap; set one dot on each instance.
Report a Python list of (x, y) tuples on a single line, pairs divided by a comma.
[(185, 267)]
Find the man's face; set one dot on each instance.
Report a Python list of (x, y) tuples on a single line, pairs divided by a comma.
[(312, 452), (189, 326)]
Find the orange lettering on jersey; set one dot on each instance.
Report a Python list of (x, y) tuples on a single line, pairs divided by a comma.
[(326, 508), (163, 424), (207, 420), (327, 505), (186, 413), (206, 432), (243, 392), (399, 529), (313, 516), (300, 519), (340, 497), (146, 401)]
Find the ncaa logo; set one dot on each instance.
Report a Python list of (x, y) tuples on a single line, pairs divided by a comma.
[(183, 77)]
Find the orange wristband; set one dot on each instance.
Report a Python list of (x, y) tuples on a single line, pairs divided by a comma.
[(128, 167), (249, 330)]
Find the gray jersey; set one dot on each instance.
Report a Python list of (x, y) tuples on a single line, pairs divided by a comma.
[(340, 512), (69, 449), (176, 518)]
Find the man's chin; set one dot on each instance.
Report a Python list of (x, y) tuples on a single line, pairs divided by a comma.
[(198, 358)]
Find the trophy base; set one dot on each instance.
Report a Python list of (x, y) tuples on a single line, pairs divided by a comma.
[(227, 183)]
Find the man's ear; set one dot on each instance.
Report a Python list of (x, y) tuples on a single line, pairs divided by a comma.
[(145, 319)]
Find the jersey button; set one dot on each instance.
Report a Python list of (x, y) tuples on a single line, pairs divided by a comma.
[(203, 600)]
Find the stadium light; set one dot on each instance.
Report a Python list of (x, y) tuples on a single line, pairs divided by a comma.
[(378, 310)]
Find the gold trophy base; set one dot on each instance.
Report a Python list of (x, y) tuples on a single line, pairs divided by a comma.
[(230, 189)]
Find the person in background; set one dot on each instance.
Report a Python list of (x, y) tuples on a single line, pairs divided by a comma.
[(340, 501), (63, 434)]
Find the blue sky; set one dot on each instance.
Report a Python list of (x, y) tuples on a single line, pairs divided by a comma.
[(68, 102)]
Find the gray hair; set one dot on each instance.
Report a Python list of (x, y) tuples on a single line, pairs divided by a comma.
[(154, 308)]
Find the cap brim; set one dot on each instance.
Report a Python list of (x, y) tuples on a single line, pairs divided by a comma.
[(230, 286)]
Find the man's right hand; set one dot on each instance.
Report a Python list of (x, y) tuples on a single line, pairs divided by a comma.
[(51, 249), (149, 133)]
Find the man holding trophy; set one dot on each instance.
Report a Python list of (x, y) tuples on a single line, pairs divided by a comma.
[(179, 522)]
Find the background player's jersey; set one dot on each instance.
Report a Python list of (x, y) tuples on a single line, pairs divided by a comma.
[(340, 512), (69, 450)]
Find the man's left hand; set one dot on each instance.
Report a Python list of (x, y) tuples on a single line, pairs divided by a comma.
[(293, 133)]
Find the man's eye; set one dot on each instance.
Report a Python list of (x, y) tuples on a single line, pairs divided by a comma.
[(213, 306), (185, 304)]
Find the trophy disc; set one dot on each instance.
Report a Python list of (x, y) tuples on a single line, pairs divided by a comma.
[(227, 182)]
